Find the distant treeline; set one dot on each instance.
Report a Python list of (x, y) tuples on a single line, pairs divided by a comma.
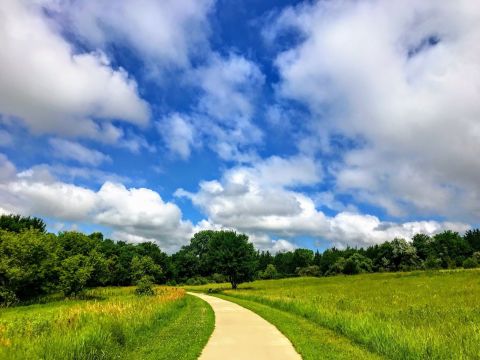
[(34, 262)]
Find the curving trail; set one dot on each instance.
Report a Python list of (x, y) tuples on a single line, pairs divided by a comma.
[(240, 334)]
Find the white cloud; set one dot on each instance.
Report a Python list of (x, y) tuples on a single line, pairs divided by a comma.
[(249, 199), (167, 32), (223, 116), (69, 150), (134, 214), (178, 133), (404, 87), (53, 89)]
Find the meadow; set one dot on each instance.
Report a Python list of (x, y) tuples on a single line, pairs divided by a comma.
[(108, 323), (411, 315)]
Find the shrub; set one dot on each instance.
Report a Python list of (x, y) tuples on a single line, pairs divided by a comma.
[(7, 297), (270, 272), (199, 280), (218, 278), (356, 264), (144, 286), (312, 270), (432, 263), (470, 263), (74, 274)]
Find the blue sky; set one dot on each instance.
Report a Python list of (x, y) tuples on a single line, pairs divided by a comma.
[(312, 124)]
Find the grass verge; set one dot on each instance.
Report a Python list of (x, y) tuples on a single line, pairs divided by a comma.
[(309, 339), (114, 323)]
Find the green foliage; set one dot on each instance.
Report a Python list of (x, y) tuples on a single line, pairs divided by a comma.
[(218, 278), (472, 237), (312, 270), (337, 267), (18, 223), (470, 263), (198, 280), (232, 255), (145, 286), (75, 271), (142, 266), (432, 263), (356, 264), (27, 264), (270, 272)]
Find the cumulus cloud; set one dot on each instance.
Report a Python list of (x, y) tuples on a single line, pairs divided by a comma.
[(134, 214), (168, 32), (402, 88), (178, 133), (54, 89), (251, 200), (69, 150)]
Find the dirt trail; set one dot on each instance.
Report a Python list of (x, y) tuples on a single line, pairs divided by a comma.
[(240, 334)]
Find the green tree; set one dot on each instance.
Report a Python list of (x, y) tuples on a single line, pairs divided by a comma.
[(75, 272), (145, 266), (302, 258), (18, 223), (470, 263), (312, 270), (28, 263), (472, 237), (356, 264), (232, 255), (270, 272), (423, 245)]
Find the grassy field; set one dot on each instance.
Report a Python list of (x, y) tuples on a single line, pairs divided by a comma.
[(112, 324), (419, 315)]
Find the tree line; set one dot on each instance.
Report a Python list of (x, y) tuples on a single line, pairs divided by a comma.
[(34, 262)]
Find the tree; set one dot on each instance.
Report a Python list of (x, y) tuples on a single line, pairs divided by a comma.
[(423, 245), (18, 223), (74, 274), (403, 256), (232, 255), (142, 266), (270, 272), (451, 248), (356, 264), (312, 270), (28, 263), (302, 258), (472, 237)]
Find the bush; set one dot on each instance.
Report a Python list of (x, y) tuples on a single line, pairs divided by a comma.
[(356, 264), (7, 297), (218, 278), (313, 270), (432, 263), (470, 263), (144, 286), (270, 272), (74, 274), (199, 280)]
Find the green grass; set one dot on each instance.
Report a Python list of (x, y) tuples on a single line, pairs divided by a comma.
[(418, 315), (114, 323)]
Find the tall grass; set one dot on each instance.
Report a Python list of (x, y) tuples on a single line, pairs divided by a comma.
[(419, 315), (111, 323)]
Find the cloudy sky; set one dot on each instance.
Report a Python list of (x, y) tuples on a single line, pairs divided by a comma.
[(311, 124)]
